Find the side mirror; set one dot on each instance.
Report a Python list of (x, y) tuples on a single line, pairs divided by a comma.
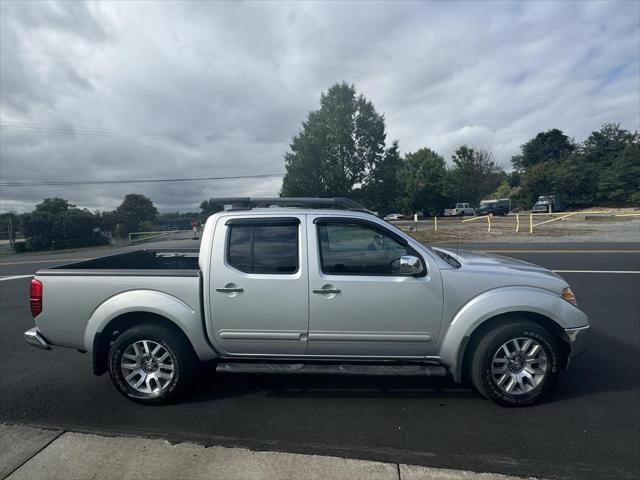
[(410, 265)]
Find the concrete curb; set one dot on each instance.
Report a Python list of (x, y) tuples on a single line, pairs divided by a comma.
[(34, 454)]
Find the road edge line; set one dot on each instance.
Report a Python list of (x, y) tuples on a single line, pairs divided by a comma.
[(15, 277)]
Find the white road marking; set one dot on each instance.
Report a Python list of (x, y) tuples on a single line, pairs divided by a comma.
[(45, 261), (595, 271), (14, 277), (556, 251)]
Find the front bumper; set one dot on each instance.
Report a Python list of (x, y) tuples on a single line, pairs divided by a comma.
[(33, 338), (578, 339)]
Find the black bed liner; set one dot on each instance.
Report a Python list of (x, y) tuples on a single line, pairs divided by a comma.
[(154, 262)]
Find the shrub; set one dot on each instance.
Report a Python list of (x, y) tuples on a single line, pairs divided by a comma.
[(146, 226), (79, 242), (38, 242)]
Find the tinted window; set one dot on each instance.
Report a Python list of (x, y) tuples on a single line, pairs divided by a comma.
[(239, 253), (358, 249), (263, 248), (275, 249)]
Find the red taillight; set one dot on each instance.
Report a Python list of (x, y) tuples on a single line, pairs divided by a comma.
[(35, 297)]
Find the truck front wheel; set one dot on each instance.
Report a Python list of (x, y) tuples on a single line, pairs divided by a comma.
[(150, 363), (516, 364)]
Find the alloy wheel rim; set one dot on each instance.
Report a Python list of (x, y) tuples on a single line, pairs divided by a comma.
[(519, 366), (148, 367)]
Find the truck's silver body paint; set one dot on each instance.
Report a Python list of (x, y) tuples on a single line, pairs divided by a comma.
[(374, 317), (77, 307)]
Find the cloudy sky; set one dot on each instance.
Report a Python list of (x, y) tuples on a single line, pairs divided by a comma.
[(124, 90)]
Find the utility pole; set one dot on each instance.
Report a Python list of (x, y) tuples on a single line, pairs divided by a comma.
[(12, 237)]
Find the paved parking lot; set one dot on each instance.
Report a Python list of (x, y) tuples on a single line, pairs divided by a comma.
[(587, 428)]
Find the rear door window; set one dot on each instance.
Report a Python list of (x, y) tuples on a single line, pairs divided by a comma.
[(262, 247)]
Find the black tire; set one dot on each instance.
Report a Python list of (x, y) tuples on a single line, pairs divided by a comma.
[(181, 359), (490, 346)]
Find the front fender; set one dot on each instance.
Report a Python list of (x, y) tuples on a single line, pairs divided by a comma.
[(150, 301), (499, 301)]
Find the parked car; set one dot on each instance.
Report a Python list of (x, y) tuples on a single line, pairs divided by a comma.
[(393, 217), (493, 208), (459, 210), (547, 204), (304, 290)]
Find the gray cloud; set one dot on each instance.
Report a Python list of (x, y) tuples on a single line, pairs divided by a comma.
[(216, 75)]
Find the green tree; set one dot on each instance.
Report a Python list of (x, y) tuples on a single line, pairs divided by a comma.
[(10, 222), (514, 179), (550, 146), (135, 209), (504, 190), (337, 146), (74, 223), (615, 152), (539, 164), (209, 208), (540, 179), (37, 228), (622, 181), (53, 205), (474, 175), (107, 220), (573, 180), (44, 229), (602, 170), (422, 177), (382, 189)]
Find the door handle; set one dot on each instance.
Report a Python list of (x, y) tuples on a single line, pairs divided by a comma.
[(324, 291), (230, 290)]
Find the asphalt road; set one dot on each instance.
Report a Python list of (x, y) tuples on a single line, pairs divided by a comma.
[(588, 427)]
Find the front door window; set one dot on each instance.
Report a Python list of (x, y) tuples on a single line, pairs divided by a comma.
[(357, 249)]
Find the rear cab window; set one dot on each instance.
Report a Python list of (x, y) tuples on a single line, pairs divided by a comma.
[(263, 245)]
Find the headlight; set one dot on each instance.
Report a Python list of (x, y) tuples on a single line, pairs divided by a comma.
[(568, 295)]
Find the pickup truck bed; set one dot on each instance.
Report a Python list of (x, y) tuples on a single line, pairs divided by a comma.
[(115, 284), (162, 262)]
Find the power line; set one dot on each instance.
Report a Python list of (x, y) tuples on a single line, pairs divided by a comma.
[(42, 128), (112, 182), (49, 170)]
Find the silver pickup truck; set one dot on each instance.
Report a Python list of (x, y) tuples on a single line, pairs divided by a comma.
[(308, 290)]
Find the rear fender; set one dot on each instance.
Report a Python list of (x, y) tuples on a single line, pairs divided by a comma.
[(150, 301)]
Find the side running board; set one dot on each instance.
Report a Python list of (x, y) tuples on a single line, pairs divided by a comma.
[(333, 369)]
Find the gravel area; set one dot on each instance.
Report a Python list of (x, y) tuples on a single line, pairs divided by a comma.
[(503, 229)]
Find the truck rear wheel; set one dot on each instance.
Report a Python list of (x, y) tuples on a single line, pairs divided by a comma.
[(150, 363), (516, 364)]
